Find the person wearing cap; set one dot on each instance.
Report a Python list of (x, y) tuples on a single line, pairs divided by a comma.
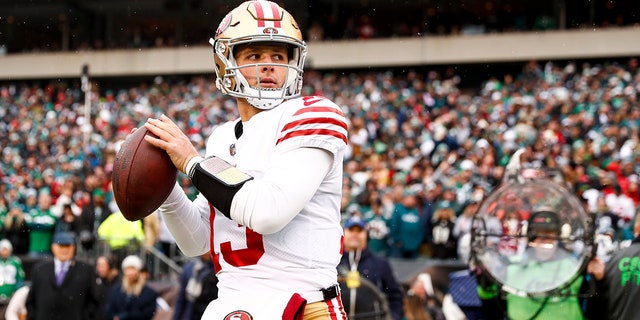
[(11, 274), (358, 261), (133, 298), (62, 287)]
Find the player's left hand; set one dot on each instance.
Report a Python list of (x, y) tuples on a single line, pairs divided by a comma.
[(172, 140)]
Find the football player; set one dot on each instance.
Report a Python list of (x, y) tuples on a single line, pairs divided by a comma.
[(270, 183)]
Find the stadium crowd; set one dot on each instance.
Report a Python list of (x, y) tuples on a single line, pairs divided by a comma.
[(411, 135), (422, 149)]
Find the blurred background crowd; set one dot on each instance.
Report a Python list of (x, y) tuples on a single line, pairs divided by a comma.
[(423, 154), (420, 146)]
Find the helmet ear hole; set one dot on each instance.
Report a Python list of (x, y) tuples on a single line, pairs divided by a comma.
[(219, 47), (291, 53)]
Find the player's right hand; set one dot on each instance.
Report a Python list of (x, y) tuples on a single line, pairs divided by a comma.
[(172, 140)]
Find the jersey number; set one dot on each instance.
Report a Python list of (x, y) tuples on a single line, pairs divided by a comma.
[(247, 256)]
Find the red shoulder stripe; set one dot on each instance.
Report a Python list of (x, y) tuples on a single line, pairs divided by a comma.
[(308, 132), (301, 122), (318, 109)]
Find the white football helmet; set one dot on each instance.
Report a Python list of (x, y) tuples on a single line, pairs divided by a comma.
[(258, 21)]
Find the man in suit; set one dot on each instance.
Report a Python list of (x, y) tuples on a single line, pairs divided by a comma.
[(62, 288), (357, 260)]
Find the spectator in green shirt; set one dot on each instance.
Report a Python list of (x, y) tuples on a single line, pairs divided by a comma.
[(405, 228), (40, 223), (11, 273)]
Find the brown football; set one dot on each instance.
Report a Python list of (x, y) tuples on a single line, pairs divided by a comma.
[(143, 176)]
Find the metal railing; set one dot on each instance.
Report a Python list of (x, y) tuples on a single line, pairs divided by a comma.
[(159, 265)]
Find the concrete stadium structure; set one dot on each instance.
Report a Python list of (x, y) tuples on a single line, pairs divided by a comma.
[(393, 52)]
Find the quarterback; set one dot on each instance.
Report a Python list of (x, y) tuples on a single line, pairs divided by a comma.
[(270, 182)]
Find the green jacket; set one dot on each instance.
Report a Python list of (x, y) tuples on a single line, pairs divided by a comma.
[(538, 277), (11, 276), (40, 224)]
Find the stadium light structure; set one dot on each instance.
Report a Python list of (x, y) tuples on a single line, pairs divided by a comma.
[(86, 89)]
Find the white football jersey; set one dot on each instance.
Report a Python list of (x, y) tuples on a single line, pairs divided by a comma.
[(303, 255)]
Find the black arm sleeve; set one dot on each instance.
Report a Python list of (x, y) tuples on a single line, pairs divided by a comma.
[(219, 182)]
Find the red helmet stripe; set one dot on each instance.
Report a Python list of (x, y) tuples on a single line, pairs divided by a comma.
[(259, 12), (276, 15)]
